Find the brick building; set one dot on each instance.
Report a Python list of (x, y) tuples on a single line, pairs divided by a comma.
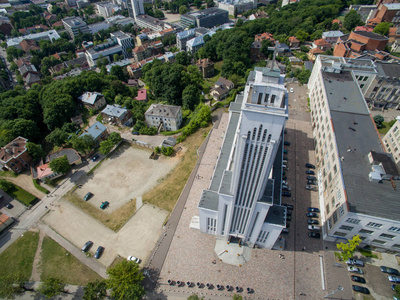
[(206, 67), (14, 156)]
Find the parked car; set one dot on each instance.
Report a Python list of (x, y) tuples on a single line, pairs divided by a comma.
[(310, 172), (390, 271), (285, 151), (99, 252), (312, 222), (355, 262), (311, 178), (288, 218), (134, 259), (135, 133), (286, 194), (312, 227), (96, 157), (360, 289), (291, 90), (284, 182), (393, 287), (285, 231), (286, 143), (313, 209), (104, 205), (311, 182), (288, 212), (394, 279), (357, 279), (285, 188), (314, 234), (312, 215), (308, 165), (87, 196), (87, 246), (355, 270), (311, 188), (9, 205), (288, 206)]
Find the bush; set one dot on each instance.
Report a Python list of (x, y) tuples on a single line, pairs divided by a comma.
[(167, 151)]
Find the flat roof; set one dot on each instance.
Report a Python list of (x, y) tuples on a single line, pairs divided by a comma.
[(276, 215), (356, 136)]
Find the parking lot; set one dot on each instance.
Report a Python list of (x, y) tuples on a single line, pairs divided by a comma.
[(127, 174)]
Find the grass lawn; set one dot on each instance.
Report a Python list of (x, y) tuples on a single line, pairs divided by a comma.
[(58, 262), (168, 191), (18, 258), (367, 253), (385, 128), (114, 221), (39, 187), (7, 174), (23, 196)]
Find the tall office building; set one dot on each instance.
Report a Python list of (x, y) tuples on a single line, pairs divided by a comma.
[(135, 8), (243, 201)]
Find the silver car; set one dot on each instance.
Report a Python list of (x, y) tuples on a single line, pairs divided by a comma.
[(134, 259)]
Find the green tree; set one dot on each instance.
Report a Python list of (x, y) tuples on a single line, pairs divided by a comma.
[(115, 137), (118, 72), (183, 9), (194, 297), (116, 57), (83, 143), (316, 35), (378, 119), (35, 150), (125, 278), (106, 146), (12, 285), (6, 186), (302, 35), (95, 290), (349, 248), (383, 28), (237, 297), (51, 287), (57, 137), (60, 165), (397, 290), (13, 66), (183, 58), (352, 20), (190, 97)]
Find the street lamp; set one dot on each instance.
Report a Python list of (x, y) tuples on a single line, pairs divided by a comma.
[(340, 288)]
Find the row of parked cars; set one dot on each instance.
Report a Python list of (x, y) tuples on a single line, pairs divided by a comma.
[(314, 230), (354, 267)]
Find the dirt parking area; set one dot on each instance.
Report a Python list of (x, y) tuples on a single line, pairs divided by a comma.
[(137, 237), (127, 174)]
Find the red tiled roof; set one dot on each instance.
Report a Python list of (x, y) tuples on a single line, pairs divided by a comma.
[(142, 95)]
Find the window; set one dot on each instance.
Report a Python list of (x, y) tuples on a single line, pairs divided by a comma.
[(366, 231), (341, 210), (378, 242), (334, 217), (375, 225), (266, 97), (362, 238), (335, 169), (273, 99), (354, 221), (396, 246), (327, 209), (344, 227), (338, 233), (387, 236), (329, 224), (394, 229)]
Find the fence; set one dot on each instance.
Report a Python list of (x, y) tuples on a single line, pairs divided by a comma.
[(141, 144)]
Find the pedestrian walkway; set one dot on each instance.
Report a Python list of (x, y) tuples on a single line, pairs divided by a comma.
[(36, 272), (96, 267)]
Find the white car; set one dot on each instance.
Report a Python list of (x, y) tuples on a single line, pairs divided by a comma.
[(355, 270), (312, 227), (291, 90), (134, 259)]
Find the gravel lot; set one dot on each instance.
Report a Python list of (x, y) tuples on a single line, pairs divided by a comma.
[(126, 175)]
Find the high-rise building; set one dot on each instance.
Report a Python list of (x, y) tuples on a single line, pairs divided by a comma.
[(243, 200), (135, 8)]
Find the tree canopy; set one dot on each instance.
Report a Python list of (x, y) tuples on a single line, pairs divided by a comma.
[(383, 28), (349, 248), (60, 165), (352, 20)]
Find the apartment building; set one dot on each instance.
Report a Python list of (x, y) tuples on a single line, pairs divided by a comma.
[(356, 178), (169, 117), (243, 201), (74, 25), (391, 140), (207, 18), (135, 8)]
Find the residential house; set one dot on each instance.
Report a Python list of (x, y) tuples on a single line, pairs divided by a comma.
[(135, 70), (167, 117), (142, 95), (359, 43), (221, 88), (294, 42), (195, 44), (118, 115), (258, 15), (14, 156), (332, 36), (141, 39), (5, 221), (255, 51), (43, 171), (98, 132), (283, 50), (337, 21), (364, 28), (321, 44), (294, 61), (312, 54), (31, 79), (147, 50), (93, 100), (266, 36), (28, 45), (206, 67), (33, 29), (394, 34)]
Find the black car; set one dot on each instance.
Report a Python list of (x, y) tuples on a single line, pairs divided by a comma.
[(288, 218), (286, 143), (357, 279), (312, 215), (288, 212), (286, 194), (314, 234), (99, 252), (311, 178), (313, 209), (96, 157), (393, 286), (9, 205), (308, 165), (311, 182), (288, 206), (312, 222), (87, 246), (88, 196), (310, 172), (360, 289), (135, 133), (390, 271)]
